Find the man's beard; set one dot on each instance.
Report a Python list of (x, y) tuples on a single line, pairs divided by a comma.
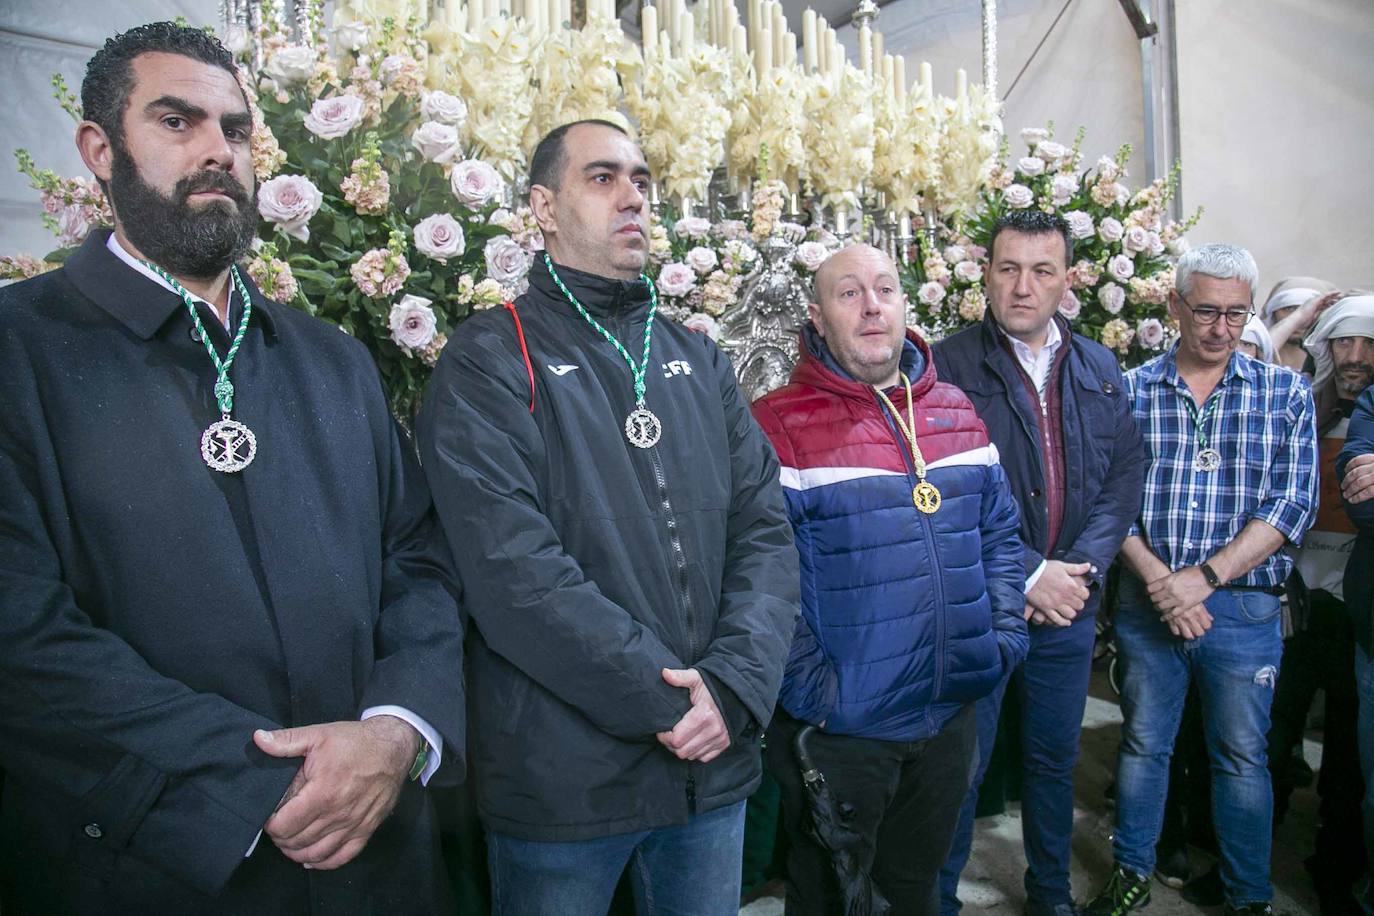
[(187, 241), (1351, 388)]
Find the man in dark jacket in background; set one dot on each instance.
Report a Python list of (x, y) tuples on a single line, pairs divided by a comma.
[(1054, 407), (619, 527), (911, 586)]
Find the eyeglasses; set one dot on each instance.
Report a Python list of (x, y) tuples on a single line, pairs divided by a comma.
[(1208, 314)]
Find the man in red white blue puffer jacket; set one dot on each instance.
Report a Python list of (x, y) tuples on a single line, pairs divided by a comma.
[(908, 616)]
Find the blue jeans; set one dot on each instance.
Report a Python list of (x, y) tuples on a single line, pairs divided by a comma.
[(692, 869), (1235, 664), (1364, 685), (1053, 687)]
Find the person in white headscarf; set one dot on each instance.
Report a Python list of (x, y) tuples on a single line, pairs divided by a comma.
[(1342, 345), (1293, 304), (1255, 341)]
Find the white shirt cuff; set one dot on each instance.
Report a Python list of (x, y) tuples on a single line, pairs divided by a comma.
[(436, 743), (427, 732), (1035, 576)]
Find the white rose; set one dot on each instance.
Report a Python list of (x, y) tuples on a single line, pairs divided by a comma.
[(1110, 229), (702, 260), (1018, 196), (1121, 267), (437, 141), (506, 260), (1150, 333), (291, 66), (955, 253), (1080, 224), (1179, 246), (289, 201), (1051, 151), (439, 237), (351, 35), (235, 39), (1069, 306), (1030, 166), (475, 183), (1062, 189), (1033, 136), (968, 270), (811, 255), (692, 227), (930, 292), (1155, 246), (412, 321), (1135, 240), (1112, 297), (335, 116), (444, 108), (676, 280), (393, 65), (703, 323)]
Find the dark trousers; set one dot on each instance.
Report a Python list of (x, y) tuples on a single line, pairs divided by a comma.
[(1322, 656), (905, 797)]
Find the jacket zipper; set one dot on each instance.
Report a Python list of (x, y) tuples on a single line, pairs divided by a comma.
[(683, 592), (929, 530)]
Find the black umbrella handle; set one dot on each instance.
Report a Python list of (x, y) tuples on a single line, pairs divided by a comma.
[(810, 774)]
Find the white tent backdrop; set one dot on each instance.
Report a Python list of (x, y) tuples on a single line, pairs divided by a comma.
[(1276, 104)]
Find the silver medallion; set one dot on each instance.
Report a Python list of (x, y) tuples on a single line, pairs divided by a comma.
[(1209, 459), (228, 446), (642, 428)]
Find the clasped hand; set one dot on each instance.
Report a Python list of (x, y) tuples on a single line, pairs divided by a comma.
[(701, 734), (1059, 594), (345, 788), (1179, 597)]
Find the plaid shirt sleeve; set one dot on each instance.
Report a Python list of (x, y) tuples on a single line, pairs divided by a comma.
[(1290, 505)]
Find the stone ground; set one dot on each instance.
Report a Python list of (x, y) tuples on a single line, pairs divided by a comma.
[(992, 881)]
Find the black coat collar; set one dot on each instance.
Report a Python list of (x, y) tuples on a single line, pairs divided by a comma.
[(601, 296), (137, 302)]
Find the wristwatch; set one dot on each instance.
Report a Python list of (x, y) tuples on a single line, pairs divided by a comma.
[(421, 758), (1210, 575)]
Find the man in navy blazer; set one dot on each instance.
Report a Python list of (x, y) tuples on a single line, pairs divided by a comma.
[(227, 628), (1054, 406)]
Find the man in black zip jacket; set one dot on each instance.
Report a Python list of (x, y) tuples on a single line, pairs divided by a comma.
[(1055, 408), (618, 523)]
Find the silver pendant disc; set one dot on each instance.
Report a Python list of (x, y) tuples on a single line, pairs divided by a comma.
[(642, 428), (228, 446), (1207, 460)]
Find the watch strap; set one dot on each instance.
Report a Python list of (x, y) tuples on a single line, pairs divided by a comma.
[(1210, 575), (421, 758)]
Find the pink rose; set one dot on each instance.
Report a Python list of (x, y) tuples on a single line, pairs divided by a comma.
[(931, 293), (968, 271), (676, 280), (692, 227), (437, 141), (475, 183), (1018, 196), (703, 323), (289, 201), (1135, 240), (1080, 224), (444, 108), (439, 237), (506, 260), (1150, 333), (1112, 297), (1051, 151), (702, 260), (1110, 229), (1069, 306), (1062, 189), (955, 253), (413, 324), (1121, 267), (332, 118), (811, 255), (1030, 166)]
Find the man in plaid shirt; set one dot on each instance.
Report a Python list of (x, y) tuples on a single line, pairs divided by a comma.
[(1231, 480)]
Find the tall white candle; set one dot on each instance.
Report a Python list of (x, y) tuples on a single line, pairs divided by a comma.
[(648, 24), (899, 78), (866, 51), (474, 16), (878, 50), (686, 31), (961, 90), (763, 60), (927, 79), (809, 39)]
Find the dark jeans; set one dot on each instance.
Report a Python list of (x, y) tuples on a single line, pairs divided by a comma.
[(1322, 656), (1053, 686), (905, 795)]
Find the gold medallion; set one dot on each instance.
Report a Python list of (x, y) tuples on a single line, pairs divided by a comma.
[(926, 497)]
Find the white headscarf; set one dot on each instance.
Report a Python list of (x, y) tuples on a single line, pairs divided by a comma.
[(1287, 298), (1256, 333), (1352, 316)]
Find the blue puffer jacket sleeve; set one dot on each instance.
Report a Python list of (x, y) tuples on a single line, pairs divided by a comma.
[(999, 525)]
